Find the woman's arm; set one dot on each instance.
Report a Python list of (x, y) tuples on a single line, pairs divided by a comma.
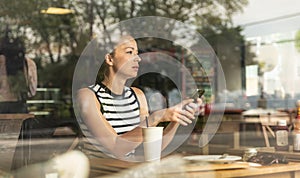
[(118, 145), (172, 114), (176, 115), (144, 111)]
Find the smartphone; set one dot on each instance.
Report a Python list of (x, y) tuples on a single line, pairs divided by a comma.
[(198, 93)]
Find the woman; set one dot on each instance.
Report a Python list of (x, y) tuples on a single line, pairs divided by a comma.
[(113, 114)]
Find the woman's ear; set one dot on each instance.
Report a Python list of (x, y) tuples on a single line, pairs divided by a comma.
[(109, 59)]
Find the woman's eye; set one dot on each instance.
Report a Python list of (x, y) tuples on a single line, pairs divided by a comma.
[(129, 52)]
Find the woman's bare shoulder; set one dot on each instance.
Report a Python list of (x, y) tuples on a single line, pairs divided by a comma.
[(85, 92), (137, 90), (139, 93), (86, 98)]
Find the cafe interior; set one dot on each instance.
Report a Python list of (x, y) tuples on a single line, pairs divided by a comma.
[(245, 55)]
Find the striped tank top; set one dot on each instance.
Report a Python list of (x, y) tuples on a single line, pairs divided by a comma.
[(121, 111)]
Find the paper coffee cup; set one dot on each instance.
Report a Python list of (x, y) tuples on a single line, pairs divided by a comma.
[(152, 143)]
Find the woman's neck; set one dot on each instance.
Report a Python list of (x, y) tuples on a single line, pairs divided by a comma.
[(116, 86)]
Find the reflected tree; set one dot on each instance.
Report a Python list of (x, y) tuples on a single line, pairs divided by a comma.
[(297, 40), (58, 40)]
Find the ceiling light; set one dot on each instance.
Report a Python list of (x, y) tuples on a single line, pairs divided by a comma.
[(57, 11)]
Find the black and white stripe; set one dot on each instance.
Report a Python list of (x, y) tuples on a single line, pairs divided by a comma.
[(121, 111)]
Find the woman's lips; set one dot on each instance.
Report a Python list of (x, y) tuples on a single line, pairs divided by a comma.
[(135, 67)]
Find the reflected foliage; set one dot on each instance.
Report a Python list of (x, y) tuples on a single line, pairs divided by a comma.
[(56, 41), (297, 40)]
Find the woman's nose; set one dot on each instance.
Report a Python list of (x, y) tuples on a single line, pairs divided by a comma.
[(137, 58)]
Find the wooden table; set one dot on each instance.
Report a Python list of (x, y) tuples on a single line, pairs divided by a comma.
[(235, 122), (291, 170), (175, 166), (11, 123), (10, 126), (16, 116), (230, 124), (264, 118)]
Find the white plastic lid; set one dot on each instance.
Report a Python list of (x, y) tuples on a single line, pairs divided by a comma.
[(282, 123)]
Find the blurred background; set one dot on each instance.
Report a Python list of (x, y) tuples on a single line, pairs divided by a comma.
[(257, 43)]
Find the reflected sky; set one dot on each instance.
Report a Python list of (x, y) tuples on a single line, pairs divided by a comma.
[(260, 15)]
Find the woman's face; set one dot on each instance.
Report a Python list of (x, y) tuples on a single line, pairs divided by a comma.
[(125, 60)]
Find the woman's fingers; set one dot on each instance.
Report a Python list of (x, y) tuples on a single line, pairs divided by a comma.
[(181, 122), (186, 119), (184, 103), (188, 112), (184, 112), (192, 108), (199, 101), (183, 117)]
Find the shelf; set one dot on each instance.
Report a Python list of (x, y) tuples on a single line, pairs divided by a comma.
[(41, 102), (47, 89), (40, 113), (45, 101)]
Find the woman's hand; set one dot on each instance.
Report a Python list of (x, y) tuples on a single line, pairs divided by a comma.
[(194, 107), (182, 113)]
